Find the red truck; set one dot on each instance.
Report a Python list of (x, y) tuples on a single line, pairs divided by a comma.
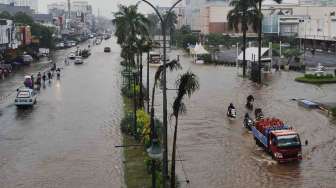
[(280, 140)]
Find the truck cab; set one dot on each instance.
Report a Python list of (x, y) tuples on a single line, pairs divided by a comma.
[(278, 139), (285, 145)]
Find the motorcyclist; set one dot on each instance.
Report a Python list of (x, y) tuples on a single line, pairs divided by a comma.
[(250, 98), (249, 101), (58, 72), (230, 108)]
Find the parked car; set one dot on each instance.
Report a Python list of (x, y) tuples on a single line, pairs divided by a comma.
[(60, 45), (25, 97), (107, 49)]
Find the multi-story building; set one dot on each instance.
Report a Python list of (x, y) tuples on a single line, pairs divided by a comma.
[(8, 38), (33, 4), (12, 9), (194, 10)]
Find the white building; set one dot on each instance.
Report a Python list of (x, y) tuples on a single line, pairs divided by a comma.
[(33, 4)]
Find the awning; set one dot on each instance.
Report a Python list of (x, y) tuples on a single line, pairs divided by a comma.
[(198, 49)]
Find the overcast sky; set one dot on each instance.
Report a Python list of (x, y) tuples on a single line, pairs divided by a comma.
[(108, 6), (105, 6)]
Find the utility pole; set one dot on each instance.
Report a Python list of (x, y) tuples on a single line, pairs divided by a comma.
[(69, 9)]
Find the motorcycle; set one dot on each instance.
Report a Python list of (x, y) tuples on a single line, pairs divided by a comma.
[(249, 105), (248, 122), (58, 74), (232, 114), (258, 113)]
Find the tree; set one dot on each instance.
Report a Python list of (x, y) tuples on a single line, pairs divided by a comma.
[(187, 84), (23, 18), (153, 26), (171, 21), (129, 23), (44, 33), (6, 15), (260, 17), (172, 65), (243, 14)]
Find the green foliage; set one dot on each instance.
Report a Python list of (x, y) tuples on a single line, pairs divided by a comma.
[(129, 92), (206, 58), (143, 126), (6, 15), (23, 18), (333, 111), (44, 33), (316, 76), (126, 123)]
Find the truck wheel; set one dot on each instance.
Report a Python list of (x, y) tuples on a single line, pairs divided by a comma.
[(258, 142)]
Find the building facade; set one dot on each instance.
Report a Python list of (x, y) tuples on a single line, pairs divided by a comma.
[(195, 11), (33, 4)]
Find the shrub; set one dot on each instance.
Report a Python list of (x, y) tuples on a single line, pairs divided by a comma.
[(333, 111), (143, 126), (315, 76), (126, 123), (128, 92)]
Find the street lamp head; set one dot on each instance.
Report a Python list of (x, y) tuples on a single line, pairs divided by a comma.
[(155, 151)]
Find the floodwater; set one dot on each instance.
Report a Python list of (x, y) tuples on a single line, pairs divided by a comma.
[(67, 139), (215, 152)]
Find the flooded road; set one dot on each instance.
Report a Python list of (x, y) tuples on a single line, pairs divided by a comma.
[(68, 138), (218, 153)]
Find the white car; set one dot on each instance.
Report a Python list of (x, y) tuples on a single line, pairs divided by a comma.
[(25, 97), (79, 60), (72, 55)]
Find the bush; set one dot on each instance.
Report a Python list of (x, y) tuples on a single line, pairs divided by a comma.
[(315, 76), (127, 123), (143, 126), (333, 111), (128, 92)]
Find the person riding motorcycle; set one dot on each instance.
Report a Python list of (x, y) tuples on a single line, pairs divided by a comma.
[(58, 72), (249, 102), (230, 109)]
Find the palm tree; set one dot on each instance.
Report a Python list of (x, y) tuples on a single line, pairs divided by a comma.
[(129, 23), (187, 84), (243, 14), (260, 17), (171, 22), (173, 65), (148, 46)]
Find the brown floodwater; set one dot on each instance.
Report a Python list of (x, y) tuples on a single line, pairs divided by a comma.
[(216, 152), (67, 139)]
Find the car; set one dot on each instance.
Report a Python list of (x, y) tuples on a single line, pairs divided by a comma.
[(78, 60), (107, 49), (72, 56), (25, 97)]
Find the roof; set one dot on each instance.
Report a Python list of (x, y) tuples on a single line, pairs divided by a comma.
[(198, 49), (283, 132), (253, 52), (43, 17)]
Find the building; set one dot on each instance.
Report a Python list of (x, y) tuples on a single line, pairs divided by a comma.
[(33, 4), (308, 22), (24, 35), (12, 9), (8, 38), (180, 13), (44, 19), (194, 12)]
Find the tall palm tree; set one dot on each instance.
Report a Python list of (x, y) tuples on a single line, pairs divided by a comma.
[(148, 46), (171, 22), (187, 84), (260, 17), (129, 23), (244, 13), (173, 65)]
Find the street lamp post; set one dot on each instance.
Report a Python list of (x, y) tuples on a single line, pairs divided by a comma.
[(164, 78)]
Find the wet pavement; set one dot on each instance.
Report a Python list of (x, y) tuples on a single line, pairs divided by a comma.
[(67, 139)]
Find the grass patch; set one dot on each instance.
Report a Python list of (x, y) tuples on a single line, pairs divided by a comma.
[(136, 174), (316, 80), (135, 169)]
